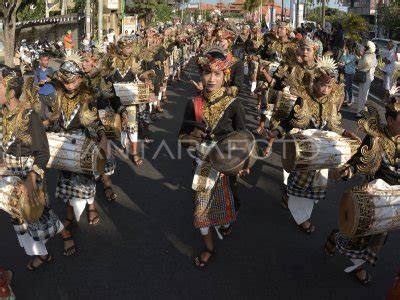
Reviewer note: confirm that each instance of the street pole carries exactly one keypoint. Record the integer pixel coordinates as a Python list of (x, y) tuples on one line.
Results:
[(282, 12), (47, 9), (63, 7), (87, 15), (323, 14), (297, 13), (100, 21)]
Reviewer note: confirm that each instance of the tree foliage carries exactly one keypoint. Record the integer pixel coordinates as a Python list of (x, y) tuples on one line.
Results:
[(163, 13), (390, 16), (32, 10), (354, 26), (251, 5)]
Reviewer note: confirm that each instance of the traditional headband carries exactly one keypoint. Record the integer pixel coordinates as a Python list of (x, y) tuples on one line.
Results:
[(214, 59), (326, 69), (125, 41), (307, 42), (71, 68)]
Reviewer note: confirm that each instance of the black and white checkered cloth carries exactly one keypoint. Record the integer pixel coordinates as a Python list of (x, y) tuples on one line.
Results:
[(18, 166), (75, 186), (355, 249), (300, 184), (144, 113), (41, 230)]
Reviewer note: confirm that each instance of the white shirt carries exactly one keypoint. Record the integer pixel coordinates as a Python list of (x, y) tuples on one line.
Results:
[(392, 57)]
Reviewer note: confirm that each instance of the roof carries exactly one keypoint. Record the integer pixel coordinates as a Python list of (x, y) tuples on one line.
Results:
[(65, 19)]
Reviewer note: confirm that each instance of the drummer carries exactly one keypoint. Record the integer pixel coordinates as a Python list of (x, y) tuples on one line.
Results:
[(25, 154), (315, 108), (105, 100), (216, 205), (377, 158), (74, 113)]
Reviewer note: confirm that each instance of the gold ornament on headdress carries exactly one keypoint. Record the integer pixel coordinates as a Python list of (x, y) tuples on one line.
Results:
[(394, 93), (75, 57)]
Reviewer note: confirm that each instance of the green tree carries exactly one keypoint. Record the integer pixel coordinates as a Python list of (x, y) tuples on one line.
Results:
[(32, 11), (353, 26), (144, 8), (163, 13), (389, 17), (8, 14), (251, 5)]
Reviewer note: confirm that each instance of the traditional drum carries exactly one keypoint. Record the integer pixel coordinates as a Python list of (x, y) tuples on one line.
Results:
[(132, 93), (314, 149), (236, 152), (279, 103), (75, 153), (370, 209), (15, 201), (111, 122)]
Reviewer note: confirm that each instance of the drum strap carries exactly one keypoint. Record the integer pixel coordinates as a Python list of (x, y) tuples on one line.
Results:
[(198, 108)]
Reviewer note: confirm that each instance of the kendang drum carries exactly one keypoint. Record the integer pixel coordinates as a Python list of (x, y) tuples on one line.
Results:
[(314, 149), (15, 201), (280, 103), (133, 92), (75, 153), (370, 209), (236, 152), (111, 122)]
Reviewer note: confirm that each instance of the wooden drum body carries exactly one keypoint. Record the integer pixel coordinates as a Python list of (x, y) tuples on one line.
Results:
[(111, 122), (15, 201), (370, 209), (313, 149), (75, 153), (133, 93)]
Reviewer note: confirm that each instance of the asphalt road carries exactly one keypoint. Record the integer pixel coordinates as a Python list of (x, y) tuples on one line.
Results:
[(144, 245)]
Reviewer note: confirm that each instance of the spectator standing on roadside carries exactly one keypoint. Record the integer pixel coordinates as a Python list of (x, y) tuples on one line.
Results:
[(68, 42), (389, 61), (111, 36), (348, 61), (43, 76), (366, 64)]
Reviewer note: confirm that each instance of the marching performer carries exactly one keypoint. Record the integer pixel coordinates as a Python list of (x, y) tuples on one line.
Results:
[(25, 156), (241, 44), (75, 113), (256, 42), (378, 159), (314, 108), (216, 204), (279, 49), (122, 66), (108, 105)]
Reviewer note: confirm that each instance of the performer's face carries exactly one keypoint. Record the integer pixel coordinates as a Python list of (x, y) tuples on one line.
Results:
[(282, 31), (212, 80), (127, 50), (73, 86), (322, 88), (306, 53), (88, 64)]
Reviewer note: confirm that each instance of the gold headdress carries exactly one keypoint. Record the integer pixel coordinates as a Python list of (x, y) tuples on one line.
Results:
[(394, 105), (307, 42), (214, 59), (327, 68), (71, 68), (125, 41)]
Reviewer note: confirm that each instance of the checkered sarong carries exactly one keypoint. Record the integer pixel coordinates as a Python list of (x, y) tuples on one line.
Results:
[(215, 207), (18, 166), (355, 248), (144, 113), (43, 229), (300, 184), (72, 186)]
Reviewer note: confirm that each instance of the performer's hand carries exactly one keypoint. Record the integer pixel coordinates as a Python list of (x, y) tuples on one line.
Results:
[(197, 85), (46, 123), (272, 134), (351, 135), (229, 91), (30, 189), (244, 172), (339, 173), (194, 138)]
